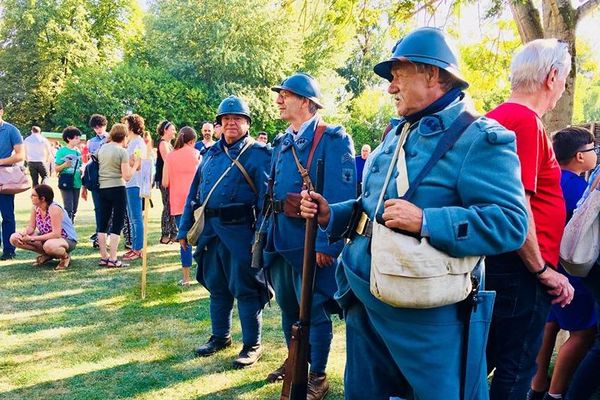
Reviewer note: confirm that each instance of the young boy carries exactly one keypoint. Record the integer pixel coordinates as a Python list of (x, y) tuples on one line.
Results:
[(576, 153)]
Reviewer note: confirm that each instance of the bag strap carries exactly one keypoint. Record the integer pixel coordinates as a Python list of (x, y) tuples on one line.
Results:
[(242, 169), (460, 124), (304, 172), (246, 147), (448, 139)]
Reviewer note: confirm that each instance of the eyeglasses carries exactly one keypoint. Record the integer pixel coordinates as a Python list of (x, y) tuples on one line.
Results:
[(595, 149)]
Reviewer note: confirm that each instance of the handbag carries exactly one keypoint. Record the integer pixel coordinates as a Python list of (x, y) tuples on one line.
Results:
[(198, 226), (407, 271), (13, 179), (67, 181), (580, 244)]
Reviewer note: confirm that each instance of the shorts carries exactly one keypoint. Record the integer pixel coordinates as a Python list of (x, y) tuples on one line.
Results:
[(580, 314)]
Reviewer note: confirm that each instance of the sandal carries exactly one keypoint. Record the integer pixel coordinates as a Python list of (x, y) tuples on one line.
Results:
[(63, 263), (132, 255), (41, 260), (182, 283), (165, 240), (115, 264), (103, 262)]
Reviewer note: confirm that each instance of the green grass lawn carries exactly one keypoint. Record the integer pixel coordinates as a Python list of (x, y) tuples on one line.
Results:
[(85, 334)]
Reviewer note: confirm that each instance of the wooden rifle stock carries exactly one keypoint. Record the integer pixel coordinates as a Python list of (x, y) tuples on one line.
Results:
[(295, 383)]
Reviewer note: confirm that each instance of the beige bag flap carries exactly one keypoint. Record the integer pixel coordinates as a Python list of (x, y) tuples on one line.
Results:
[(402, 255)]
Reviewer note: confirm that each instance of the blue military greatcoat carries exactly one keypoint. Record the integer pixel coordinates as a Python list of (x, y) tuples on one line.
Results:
[(233, 189), (473, 204), (285, 234)]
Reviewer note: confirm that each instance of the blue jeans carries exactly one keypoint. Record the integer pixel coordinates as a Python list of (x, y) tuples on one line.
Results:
[(520, 312), (186, 255), (134, 209), (7, 210), (585, 380), (96, 201)]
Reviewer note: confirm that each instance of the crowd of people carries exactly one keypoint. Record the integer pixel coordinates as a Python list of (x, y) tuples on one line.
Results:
[(439, 249)]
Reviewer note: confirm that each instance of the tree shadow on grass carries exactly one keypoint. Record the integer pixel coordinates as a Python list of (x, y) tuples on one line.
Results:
[(136, 378)]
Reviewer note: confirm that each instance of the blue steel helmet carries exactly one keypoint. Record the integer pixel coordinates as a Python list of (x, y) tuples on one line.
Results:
[(233, 105), (303, 85), (427, 46)]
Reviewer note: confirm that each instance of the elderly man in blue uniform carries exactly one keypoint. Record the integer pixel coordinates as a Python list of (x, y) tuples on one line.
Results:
[(305, 141), (233, 177), (471, 203)]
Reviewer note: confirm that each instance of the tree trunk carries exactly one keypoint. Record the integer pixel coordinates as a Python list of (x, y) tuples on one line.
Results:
[(560, 23)]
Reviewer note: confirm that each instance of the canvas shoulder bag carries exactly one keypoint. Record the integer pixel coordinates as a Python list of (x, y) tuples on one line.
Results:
[(580, 244), (196, 230), (406, 271)]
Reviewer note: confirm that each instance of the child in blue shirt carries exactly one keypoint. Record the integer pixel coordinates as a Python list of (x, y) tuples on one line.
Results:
[(576, 153)]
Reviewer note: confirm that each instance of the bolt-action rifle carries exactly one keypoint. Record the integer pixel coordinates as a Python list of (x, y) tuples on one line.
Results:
[(295, 383)]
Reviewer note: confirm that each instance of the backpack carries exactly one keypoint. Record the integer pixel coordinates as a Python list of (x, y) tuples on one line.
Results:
[(91, 174)]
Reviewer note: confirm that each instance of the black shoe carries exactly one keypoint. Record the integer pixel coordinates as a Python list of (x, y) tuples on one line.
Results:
[(7, 256), (213, 345), (533, 395), (248, 356)]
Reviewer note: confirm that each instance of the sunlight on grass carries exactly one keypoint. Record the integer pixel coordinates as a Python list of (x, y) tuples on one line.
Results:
[(51, 295)]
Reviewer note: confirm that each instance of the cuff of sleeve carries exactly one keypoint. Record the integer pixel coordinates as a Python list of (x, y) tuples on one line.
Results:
[(424, 228)]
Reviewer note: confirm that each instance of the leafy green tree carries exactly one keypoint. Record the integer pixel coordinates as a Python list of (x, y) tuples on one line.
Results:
[(242, 53), (42, 42), (153, 93)]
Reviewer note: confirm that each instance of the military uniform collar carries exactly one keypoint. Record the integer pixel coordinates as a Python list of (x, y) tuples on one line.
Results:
[(304, 137), (437, 123), (233, 149)]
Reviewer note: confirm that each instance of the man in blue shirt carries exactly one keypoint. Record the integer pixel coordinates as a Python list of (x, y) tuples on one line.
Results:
[(207, 138), (365, 150), (98, 123), (11, 152)]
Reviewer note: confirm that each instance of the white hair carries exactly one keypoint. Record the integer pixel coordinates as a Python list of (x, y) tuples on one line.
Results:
[(534, 61)]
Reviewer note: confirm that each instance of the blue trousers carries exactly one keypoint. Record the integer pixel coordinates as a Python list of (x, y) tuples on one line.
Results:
[(520, 313), (7, 210), (134, 210), (585, 380), (96, 201), (287, 284), (185, 255), (226, 279)]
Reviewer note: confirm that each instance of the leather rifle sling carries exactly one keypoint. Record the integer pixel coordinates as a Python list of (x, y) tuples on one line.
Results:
[(304, 172)]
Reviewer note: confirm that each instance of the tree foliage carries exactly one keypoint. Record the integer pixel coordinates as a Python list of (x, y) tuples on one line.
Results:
[(42, 42), (151, 92)]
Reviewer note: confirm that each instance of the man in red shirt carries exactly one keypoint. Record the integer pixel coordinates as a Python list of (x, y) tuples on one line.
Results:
[(526, 281)]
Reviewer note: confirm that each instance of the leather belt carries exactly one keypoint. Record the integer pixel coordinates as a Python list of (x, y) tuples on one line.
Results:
[(364, 227), (277, 206), (211, 212), (223, 211)]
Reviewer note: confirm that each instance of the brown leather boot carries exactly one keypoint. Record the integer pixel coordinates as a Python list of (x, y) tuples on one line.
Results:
[(318, 387), (278, 374)]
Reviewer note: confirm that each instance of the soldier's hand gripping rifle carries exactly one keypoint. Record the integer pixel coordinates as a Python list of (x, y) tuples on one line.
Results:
[(295, 383)]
